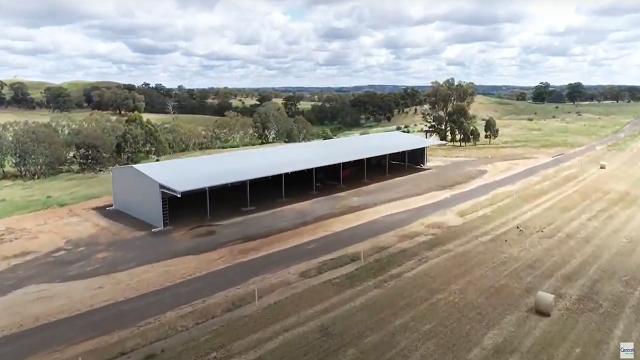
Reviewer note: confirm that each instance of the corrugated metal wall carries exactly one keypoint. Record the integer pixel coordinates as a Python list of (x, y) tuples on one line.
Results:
[(136, 194)]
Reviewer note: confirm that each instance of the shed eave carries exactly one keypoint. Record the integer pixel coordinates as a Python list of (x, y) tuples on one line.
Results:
[(170, 190)]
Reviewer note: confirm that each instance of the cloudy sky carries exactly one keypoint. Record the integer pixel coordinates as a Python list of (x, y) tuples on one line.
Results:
[(232, 43)]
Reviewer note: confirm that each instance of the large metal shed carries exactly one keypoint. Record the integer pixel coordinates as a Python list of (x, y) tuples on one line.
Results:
[(142, 190)]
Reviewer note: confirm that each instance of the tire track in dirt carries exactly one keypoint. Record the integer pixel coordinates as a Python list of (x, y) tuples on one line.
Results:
[(498, 333), (393, 354), (591, 220), (580, 312), (512, 319), (487, 283), (596, 253), (624, 322), (558, 222), (401, 305), (416, 297), (549, 333), (303, 327), (625, 265), (505, 291)]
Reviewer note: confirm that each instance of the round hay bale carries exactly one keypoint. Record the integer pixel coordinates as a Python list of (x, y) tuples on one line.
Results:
[(544, 303), (603, 165)]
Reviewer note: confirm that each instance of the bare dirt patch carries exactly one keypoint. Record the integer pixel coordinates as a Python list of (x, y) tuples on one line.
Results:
[(27, 236)]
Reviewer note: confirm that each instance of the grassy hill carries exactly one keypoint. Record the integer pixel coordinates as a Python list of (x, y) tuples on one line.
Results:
[(77, 86), (35, 87), (522, 110)]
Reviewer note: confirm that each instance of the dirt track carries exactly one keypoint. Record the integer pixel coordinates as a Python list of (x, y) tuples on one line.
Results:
[(468, 292)]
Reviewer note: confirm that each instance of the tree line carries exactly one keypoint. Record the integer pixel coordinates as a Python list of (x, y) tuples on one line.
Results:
[(575, 92), (99, 141), (122, 136), (328, 109), (117, 134)]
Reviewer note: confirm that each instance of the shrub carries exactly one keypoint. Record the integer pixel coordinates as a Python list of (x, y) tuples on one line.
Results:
[(326, 134)]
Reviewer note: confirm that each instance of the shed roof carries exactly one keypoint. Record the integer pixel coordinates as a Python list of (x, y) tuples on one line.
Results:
[(200, 172)]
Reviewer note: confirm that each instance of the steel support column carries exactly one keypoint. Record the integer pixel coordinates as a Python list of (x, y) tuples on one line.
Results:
[(425, 157), (283, 197), (208, 208), (314, 181), (249, 207), (365, 169), (406, 160), (387, 164)]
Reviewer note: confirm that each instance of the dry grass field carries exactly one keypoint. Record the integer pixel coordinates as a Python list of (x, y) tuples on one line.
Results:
[(535, 128), (465, 289)]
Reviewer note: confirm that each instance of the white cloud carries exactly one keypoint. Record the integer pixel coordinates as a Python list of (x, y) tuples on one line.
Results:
[(321, 42)]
